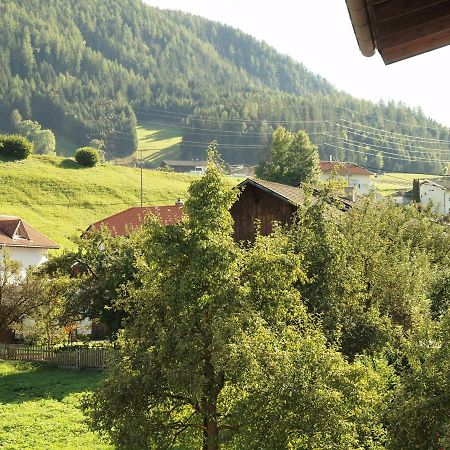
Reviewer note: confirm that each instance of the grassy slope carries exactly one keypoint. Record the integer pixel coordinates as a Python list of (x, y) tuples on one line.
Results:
[(61, 199), (156, 141), (391, 182), (39, 408)]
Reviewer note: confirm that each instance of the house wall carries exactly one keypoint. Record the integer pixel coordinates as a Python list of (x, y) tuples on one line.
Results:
[(256, 204), (362, 183), (26, 256), (438, 196)]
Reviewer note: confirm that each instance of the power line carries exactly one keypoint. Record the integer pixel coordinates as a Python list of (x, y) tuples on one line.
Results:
[(182, 116), (387, 155), (372, 136), (391, 132), (389, 120), (303, 107), (383, 152), (377, 146)]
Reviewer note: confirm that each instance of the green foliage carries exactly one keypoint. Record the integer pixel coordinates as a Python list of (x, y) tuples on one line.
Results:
[(371, 271), (218, 349), (29, 129), (50, 321), (45, 143), (39, 407), (15, 147), (85, 77), (440, 294), (293, 159), (21, 296), (87, 156), (15, 120), (418, 415), (103, 265), (98, 144)]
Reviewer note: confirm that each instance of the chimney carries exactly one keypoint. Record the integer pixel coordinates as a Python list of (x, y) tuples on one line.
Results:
[(179, 202)]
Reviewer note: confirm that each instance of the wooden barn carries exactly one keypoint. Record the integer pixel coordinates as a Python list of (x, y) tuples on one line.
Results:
[(269, 202), (400, 29), (264, 201)]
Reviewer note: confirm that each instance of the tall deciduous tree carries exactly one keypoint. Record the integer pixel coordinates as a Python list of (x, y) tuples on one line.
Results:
[(371, 270), (218, 350), (293, 159), (45, 143)]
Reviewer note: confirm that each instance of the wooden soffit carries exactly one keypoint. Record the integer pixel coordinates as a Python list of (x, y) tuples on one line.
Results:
[(400, 29)]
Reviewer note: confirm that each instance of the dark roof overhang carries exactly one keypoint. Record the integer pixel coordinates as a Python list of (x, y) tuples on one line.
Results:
[(400, 29)]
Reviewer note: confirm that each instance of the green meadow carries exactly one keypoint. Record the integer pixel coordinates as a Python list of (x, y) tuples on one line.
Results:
[(61, 199), (39, 408), (156, 141), (389, 183)]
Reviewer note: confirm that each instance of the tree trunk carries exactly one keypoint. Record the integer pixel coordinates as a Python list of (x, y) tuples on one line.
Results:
[(211, 433)]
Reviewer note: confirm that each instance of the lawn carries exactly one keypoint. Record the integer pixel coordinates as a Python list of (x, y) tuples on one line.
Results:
[(61, 199), (156, 142), (388, 183), (39, 408)]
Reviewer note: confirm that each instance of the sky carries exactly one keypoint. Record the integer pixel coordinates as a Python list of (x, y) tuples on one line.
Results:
[(319, 34)]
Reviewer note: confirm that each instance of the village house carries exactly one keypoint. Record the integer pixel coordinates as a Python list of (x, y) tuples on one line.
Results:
[(124, 222), (23, 243), (437, 193), (192, 167), (355, 176), (259, 200), (268, 202)]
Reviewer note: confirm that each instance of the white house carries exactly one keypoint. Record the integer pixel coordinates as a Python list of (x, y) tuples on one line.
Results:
[(23, 243), (356, 176), (437, 193)]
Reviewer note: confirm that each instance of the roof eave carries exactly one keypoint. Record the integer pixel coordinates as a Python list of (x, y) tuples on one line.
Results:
[(359, 17), (45, 247), (266, 189)]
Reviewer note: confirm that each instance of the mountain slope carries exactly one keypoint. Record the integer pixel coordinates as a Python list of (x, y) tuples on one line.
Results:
[(86, 69), (61, 199)]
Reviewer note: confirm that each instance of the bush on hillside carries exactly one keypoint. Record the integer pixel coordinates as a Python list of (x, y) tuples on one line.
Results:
[(15, 146), (87, 156)]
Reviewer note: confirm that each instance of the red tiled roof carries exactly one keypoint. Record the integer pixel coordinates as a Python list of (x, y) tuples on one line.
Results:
[(343, 168), (14, 232), (121, 223)]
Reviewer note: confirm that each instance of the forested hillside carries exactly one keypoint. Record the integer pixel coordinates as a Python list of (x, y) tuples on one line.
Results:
[(90, 68)]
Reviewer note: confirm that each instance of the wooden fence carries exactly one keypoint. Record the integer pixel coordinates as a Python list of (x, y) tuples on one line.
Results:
[(95, 358)]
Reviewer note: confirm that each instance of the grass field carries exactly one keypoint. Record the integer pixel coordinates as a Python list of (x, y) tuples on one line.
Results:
[(39, 408), (61, 199), (155, 143), (391, 182)]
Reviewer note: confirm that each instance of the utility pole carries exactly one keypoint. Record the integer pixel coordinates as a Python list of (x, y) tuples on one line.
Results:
[(142, 181)]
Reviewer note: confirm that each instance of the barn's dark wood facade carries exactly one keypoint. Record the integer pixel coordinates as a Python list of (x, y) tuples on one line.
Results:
[(400, 29), (264, 201)]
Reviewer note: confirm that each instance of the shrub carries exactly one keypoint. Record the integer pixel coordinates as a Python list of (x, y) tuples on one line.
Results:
[(87, 156), (15, 146)]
